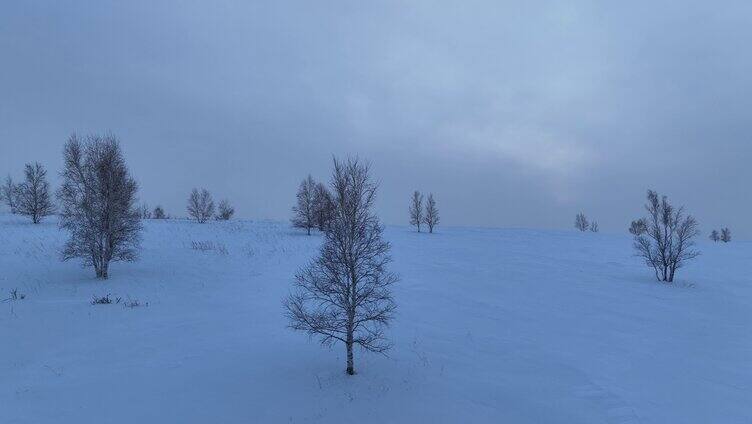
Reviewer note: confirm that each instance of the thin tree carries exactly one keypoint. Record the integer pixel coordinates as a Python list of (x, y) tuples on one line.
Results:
[(431, 216), (344, 294), (200, 205), (304, 211), (323, 206), (225, 211), (638, 227), (714, 236), (33, 195), (98, 199), (669, 240), (9, 193), (416, 209), (581, 222), (725, 235), (158, 213), (594, 227)]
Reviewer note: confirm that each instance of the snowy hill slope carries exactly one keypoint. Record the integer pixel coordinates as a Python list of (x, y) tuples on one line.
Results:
[(493, 326)]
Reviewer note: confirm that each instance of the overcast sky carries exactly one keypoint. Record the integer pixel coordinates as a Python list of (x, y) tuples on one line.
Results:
[(515, 114)]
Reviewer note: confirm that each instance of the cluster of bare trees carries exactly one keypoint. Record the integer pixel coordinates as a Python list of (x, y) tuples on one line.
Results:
[(420, 215), (665, 238), (98, 202), (314, 207), (201, 207), (344, 294), (724, 235), (581, 223), (32, 196)]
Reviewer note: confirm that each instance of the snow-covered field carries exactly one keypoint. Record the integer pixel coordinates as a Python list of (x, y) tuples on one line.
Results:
[(515, 326)]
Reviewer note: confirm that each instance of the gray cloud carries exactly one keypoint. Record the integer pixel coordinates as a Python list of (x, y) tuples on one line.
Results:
[(513, 114)]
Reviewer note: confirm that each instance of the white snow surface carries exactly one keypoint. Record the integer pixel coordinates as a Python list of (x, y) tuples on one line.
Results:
[(493, 326)]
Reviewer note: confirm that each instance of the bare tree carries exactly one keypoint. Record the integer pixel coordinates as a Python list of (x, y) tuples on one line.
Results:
[(200, 205), (714, 236), (225, 211), (323, 206), (431, 216), (638, 227), (344, 294), (725, 235), (416, 209), (668, 242), (33, 195), (144, 211), (581, 222), (9, 193), (158, 213), (594, 227), (304, 212), (98, 199)]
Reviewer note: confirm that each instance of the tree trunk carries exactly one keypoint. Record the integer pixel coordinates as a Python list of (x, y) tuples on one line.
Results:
[(101, 267), (350, 361)]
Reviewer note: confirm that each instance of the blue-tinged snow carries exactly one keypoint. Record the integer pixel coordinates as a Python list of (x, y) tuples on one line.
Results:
[(516, 326)]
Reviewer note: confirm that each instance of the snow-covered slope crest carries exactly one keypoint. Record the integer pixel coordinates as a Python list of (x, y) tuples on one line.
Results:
[(493, 326)]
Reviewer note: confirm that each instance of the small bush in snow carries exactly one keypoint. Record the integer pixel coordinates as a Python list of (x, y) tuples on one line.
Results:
[(202, 246), (206, 246), (134, 303), (103, 300), (714, 236)]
